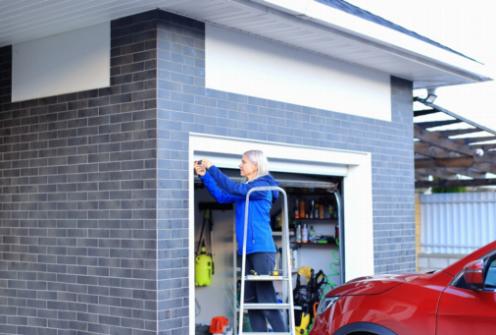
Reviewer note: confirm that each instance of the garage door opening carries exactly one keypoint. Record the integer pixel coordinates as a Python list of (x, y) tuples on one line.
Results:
[(350, 170), (316, 230)]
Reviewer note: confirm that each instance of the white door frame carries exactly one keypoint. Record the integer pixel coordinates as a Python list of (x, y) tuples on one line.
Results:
[(355, 168)]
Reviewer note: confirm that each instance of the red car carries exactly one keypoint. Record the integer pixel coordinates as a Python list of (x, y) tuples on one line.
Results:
[(458, 300)]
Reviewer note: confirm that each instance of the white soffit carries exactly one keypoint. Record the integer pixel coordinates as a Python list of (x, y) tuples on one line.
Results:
[(302, 23)]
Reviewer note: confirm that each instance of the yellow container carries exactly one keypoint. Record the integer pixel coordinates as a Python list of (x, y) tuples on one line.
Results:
[(203, 268)]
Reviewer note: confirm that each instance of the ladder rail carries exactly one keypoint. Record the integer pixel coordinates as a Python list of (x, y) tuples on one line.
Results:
[(286, 253)]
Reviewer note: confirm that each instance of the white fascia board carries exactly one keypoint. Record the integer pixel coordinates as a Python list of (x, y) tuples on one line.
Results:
[(391, 40)]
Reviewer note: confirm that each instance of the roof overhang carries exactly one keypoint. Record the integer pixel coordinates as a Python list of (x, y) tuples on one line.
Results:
[(305, 24)]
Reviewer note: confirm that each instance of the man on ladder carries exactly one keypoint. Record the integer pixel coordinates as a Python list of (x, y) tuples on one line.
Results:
[(253, 202)]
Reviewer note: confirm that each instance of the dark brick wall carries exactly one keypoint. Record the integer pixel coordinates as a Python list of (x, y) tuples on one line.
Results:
[(184, 106), (95, 184), (78, 199), (180, 44)]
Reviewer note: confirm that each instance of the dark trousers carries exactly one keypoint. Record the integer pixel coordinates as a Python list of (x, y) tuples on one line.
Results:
[(262, 291)]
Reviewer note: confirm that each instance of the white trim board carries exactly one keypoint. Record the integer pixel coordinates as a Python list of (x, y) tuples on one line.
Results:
[(356, 168)]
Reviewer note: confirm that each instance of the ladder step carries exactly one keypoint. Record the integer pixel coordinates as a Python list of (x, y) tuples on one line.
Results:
[(265, 278), (296, 308), (266, 306), (238, 269)]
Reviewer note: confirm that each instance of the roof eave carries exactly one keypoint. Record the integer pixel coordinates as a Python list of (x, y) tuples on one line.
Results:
[(305, 24), (456, 68)]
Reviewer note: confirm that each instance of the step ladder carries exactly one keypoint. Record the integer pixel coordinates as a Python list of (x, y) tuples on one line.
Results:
[(285, 277)]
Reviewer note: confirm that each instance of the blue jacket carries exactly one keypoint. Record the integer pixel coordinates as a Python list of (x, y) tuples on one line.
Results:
[(225, 191)]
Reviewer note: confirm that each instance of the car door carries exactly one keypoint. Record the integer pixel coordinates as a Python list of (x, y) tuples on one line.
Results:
[(464, 310)]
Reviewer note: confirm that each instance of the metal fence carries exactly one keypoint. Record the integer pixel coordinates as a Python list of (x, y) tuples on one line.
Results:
[(456, 223)]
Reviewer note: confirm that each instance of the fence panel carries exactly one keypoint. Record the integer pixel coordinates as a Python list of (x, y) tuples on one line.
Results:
[(457, 223)]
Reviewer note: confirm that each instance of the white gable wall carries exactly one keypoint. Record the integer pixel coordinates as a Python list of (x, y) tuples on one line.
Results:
[(245, 64)]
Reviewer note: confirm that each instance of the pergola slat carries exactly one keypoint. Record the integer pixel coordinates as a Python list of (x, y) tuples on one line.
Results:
[(455, 132), (432, 124), (455, 183), (425, 112)]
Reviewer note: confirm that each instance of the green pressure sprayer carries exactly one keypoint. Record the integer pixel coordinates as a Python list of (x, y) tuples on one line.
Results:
[(204, 262)]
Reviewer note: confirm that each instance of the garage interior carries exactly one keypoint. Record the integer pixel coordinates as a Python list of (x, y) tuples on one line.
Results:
[(312, 207)]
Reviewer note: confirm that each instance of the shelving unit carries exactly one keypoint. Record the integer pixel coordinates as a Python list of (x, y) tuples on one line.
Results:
[(316, 244), (321, 251)]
